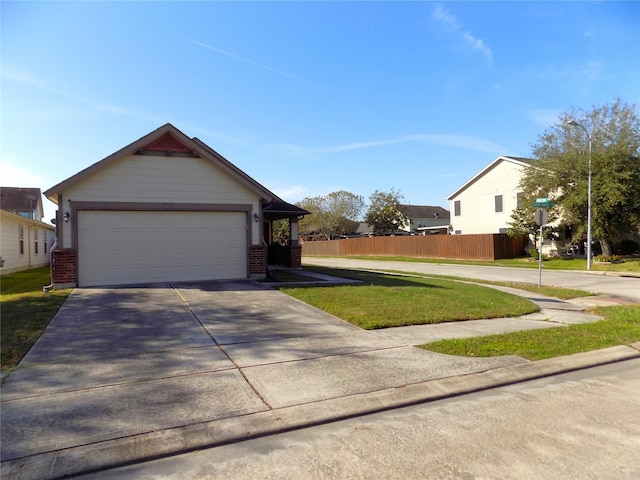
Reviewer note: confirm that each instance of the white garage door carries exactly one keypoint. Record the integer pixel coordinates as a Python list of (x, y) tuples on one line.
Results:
[(118, 248)]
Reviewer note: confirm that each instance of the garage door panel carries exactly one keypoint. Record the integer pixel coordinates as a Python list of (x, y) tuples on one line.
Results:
[(145, 247)]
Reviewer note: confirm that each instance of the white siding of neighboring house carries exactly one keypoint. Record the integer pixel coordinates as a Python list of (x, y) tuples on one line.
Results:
[(13, 260), (477, 200), (161, 179)]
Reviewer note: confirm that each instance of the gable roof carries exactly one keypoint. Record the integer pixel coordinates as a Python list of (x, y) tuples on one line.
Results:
[(19, 199), (525, 162), (424, 211), (167, 140)]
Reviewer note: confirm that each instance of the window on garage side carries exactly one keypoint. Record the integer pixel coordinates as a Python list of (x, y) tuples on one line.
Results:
[(498, 203), (456, 208), (21, 239), (35, 241)]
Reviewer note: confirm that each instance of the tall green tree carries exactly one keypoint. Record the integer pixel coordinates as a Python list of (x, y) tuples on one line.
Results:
[(333, 214), (384, 212), (523, 223), (562, 169)]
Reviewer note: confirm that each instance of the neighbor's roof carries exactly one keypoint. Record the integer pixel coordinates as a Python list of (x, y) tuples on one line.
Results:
[(363, 228), (424, 211), (166, 140), (525, 162), (18, 199)]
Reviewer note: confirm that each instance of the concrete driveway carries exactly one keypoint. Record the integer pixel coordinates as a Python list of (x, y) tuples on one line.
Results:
[(119, 363), (130, 373)]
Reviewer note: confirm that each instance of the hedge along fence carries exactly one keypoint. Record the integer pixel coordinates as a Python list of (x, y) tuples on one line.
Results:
[(473, 247)]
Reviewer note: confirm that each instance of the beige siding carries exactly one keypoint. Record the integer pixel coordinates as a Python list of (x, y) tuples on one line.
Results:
[(10, 243), (161, 179), (118, 248), (477, 201)]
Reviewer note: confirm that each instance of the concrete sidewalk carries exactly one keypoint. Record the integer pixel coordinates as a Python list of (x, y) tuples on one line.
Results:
[(125, 375)]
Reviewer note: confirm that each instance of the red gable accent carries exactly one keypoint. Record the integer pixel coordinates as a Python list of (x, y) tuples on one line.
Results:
[(167, 143)]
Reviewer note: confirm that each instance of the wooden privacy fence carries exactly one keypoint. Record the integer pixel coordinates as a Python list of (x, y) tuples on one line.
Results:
[(475, 247)]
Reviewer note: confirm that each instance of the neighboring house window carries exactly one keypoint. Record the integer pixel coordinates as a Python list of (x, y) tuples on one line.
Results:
[(520, 199), (45, 245), (35, 241), (21, 239), (498, 203), (456, 208), (502, 230), (458, 232)]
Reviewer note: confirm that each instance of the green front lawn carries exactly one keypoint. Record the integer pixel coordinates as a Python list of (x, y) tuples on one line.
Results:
[(25, 312), (383, 300), (621, 326)]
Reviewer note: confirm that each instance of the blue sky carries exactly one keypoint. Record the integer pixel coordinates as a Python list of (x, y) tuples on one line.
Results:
[(307, 97)]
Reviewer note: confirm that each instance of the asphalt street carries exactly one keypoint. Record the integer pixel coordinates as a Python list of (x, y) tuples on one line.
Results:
[(583, 424)]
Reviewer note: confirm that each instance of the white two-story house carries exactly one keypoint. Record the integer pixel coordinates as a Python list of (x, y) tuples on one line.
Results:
[(484, 204)]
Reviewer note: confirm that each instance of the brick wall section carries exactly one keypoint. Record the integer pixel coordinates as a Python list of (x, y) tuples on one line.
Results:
[(63, 266), (296, 256), (257, 260)]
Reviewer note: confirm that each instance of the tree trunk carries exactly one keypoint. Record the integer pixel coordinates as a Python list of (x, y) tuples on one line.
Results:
[(606, 247)]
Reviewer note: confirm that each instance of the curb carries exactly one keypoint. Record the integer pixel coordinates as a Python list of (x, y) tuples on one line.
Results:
[(163, 443)]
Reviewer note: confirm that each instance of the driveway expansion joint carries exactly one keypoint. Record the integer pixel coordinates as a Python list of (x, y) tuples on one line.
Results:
[(237, 367)]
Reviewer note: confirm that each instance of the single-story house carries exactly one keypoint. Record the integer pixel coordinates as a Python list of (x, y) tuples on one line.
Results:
[(165, 208), (25, 240)]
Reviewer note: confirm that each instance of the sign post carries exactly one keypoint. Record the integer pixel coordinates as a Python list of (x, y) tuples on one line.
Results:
[(540, 217)]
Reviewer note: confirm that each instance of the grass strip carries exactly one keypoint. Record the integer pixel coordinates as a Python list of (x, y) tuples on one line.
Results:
[(630, 264), (548, 291), (383, 300), (621, 326), (25, 312)]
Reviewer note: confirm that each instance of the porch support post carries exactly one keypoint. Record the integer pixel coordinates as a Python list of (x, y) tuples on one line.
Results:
[(293, 231), (295, 249)]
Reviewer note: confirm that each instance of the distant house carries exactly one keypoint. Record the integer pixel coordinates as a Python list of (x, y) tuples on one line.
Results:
[(360, 229), (25, 241), (424, 219), (485, 203)]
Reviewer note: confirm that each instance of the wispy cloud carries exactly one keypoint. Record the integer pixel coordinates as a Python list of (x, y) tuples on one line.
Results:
[(246, 60), (296, 192), (451, 24), (440, 139), (90, 106), (11, 73), (17, 176), (544, 117)]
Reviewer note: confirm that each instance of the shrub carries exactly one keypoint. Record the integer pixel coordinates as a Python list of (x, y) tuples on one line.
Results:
[(608, 258), (627, 247)]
